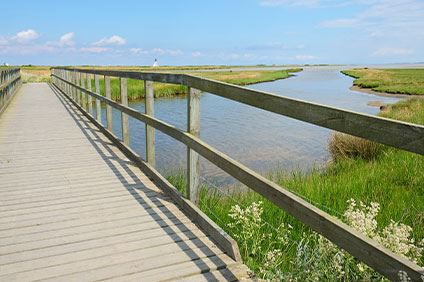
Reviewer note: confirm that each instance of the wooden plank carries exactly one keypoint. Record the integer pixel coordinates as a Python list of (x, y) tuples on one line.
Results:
[(178, 269), (148, 266), (125, 242), (360, 246), (236, 272), (124, 117), (108, 107), (193, 128), (150, 131), (223, 239), (98, 103)]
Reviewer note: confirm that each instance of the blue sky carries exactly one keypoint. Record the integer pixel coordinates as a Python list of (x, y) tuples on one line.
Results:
[(189, 32)]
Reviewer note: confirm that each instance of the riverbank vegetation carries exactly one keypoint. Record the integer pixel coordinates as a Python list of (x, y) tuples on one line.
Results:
[(136, 87), (35, 74), (395, 81), (379, 191)]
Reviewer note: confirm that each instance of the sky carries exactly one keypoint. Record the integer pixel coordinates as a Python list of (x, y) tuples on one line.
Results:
[(230, 32)]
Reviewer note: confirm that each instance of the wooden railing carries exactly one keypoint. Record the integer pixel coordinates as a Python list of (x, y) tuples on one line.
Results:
[(10, 80), (406, 136)]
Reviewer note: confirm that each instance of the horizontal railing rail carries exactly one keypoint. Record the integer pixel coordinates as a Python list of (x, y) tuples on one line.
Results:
[(10, 80), (398, 134), (365, 249)]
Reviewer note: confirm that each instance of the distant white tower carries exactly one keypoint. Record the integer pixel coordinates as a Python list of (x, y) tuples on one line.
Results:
[(156, 64)]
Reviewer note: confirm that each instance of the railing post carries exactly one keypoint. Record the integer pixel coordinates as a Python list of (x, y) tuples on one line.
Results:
[(124, 117), (98, 106), (65, 74), (150, 131), (90, 99), (77, 82), (83, 95), (108, 107), (193, 127)]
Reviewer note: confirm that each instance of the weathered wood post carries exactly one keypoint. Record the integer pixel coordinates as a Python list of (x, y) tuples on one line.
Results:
[(83, 95), (150, 131), (98, 105), (193, 127), (71, 88), (108, 107), (74, 81), (124, 116), (68, 86), (77, 82), (90, 99), (65, 76)]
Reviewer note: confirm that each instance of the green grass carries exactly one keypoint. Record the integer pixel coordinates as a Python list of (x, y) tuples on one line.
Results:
[(136, 87), (394, 179), (249, 77), (395, 81)]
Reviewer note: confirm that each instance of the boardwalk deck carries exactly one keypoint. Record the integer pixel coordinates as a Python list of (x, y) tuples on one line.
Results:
[(74, 208)]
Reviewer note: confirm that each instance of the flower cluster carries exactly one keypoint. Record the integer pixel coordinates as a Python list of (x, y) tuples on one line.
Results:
[(396, 236), (316, 258), (362, 217)]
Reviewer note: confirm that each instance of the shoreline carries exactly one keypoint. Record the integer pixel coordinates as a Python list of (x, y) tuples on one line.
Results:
[(383, 94)]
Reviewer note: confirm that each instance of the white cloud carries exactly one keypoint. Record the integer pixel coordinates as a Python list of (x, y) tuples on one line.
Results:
[(20, 49), (386, 18), (138, 51), (113, 40), (339, 23), (25, 36), (307, 3), (67, 39), (93, 49), (391, 51), (156, 51), (274, 46), (305, 57), (197, 54)]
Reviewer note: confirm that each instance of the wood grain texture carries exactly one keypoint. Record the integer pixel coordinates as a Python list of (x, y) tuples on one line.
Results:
[(124, 117), (150, 131), (193, 162), (73, 206), (108, 94), (98, 103)]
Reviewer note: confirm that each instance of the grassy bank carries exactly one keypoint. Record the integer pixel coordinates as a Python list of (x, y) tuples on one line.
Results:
[(136, 87), (283, 248), (395, 81), (35, 74)]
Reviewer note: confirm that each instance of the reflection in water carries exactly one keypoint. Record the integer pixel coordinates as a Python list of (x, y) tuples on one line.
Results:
[(261, 140)]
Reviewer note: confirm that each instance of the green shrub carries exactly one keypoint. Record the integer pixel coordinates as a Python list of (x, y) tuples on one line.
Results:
[(343, 146)]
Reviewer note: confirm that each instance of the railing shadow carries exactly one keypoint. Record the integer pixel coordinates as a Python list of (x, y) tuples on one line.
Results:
[(119, 164)]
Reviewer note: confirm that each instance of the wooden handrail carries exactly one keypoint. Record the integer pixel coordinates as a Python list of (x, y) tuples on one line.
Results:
[(398, 134), (10, 80), (360, 246)]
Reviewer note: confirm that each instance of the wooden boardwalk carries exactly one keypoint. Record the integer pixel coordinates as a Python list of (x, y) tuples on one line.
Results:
[(74, 208)]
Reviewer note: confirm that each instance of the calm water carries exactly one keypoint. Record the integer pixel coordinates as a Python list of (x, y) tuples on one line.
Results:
[(262, 141)]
